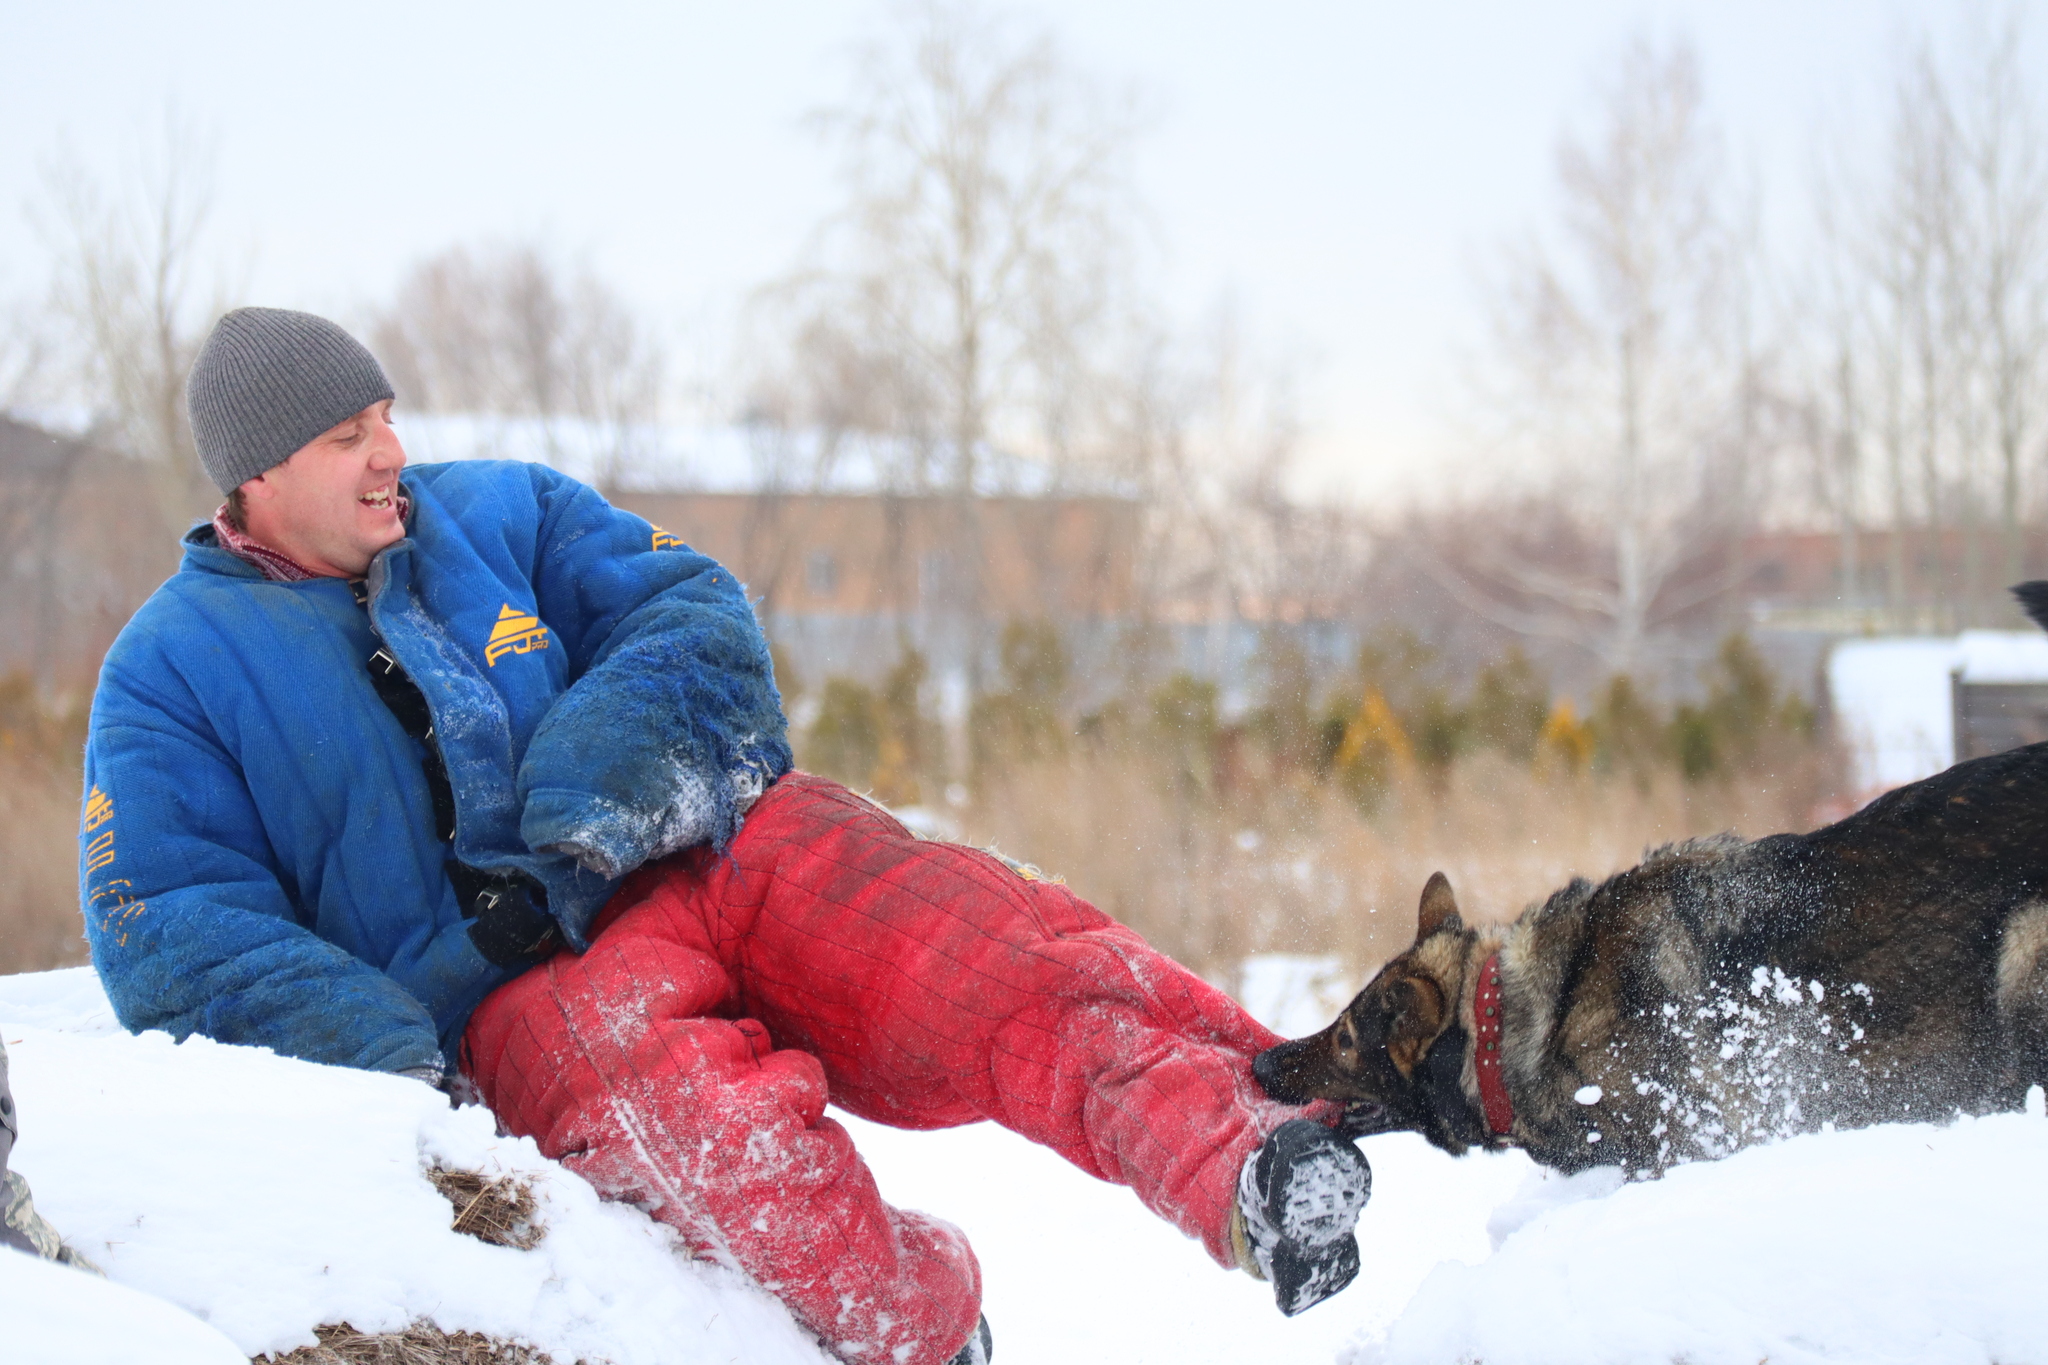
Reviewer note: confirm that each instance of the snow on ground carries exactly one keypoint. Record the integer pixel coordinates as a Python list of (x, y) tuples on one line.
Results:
[(1074, 1270), (1903, 1243), (266, 1195), (49, 1312)]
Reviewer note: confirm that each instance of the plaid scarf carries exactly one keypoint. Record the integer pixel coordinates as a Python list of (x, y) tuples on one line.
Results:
[(278, 568)]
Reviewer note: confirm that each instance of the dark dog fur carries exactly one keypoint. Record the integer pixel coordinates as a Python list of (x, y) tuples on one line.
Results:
[(1891, 966)]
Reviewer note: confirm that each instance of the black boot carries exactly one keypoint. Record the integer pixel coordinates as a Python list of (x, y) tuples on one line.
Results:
[(979, 1349), (1299, 1197)]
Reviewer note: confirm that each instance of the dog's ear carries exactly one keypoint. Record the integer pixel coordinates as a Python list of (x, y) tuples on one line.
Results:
[(1420, 1013), (1439, 907)]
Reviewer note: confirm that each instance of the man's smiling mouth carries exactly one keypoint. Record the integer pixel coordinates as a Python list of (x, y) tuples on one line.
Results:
[(378, 498)]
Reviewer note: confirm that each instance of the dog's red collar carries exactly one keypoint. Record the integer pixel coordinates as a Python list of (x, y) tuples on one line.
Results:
[(1486, 1007)]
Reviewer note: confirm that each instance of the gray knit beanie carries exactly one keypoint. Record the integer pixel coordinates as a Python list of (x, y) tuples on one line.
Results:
[(269, 380)]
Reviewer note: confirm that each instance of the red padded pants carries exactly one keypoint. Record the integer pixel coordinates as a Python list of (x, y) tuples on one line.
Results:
[(914, 983)]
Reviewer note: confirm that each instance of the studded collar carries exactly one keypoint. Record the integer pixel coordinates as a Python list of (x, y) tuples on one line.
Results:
[(1486, 1017)]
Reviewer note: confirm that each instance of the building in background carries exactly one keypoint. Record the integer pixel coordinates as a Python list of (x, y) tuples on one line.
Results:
[(1906, 707), (848, 556)]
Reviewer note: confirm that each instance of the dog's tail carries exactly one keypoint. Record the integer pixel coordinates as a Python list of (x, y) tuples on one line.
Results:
[(2034, 601)]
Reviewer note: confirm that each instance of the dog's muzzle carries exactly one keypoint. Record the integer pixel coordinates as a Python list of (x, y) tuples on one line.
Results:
[(1266, 1070)]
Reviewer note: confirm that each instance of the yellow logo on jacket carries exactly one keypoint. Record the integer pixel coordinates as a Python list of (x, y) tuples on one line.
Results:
[(517, 632), (668, 540), (98, 809)]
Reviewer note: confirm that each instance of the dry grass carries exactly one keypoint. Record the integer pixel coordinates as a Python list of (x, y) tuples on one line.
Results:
[(1287, 864), (499, 1211), (40, 926), (420, 1344)]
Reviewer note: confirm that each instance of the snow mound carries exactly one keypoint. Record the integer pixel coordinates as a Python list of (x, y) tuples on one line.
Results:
[(51, 1313), (267, 1196), (1906, 1242), (69, 1001)]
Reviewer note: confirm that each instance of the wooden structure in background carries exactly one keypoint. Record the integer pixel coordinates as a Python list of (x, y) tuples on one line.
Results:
[(1994, 717)]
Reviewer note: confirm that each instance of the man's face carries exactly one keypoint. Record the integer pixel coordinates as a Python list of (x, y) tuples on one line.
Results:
[(333, 504)]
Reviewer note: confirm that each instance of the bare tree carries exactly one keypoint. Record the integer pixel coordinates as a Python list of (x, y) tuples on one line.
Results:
[(29, 353), (964, 300), (505, 331), (1939, 255), (129, 281), (1210, 427), (1836, 402), (1911, 231), (981, 248), (1622, 355), (2005, 287)]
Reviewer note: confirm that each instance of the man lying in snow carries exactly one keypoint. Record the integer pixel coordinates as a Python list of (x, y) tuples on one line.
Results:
[(474, 766)]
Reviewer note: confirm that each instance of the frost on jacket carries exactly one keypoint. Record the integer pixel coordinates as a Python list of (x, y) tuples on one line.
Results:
[(258, 857)]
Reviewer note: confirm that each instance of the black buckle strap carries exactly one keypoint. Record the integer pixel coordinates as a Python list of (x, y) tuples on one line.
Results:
[(507, 911), (409, 705)]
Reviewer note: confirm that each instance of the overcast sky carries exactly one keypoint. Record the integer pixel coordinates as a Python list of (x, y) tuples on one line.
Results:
[(1336, 169)]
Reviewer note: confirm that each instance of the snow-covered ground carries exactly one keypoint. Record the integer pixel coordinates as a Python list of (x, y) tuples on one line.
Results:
[(265, 1195)]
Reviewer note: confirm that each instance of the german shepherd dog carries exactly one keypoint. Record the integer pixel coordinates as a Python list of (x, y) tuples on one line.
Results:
[(1892, 966)]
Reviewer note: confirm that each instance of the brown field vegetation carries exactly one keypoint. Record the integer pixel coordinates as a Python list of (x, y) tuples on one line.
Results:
[(1294, 867), (39, 922), (1310, 823), (39, 800), (1304, 827)]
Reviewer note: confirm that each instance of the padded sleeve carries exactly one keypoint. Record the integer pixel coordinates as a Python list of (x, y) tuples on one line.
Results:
[(672, 723), (191, 929)]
